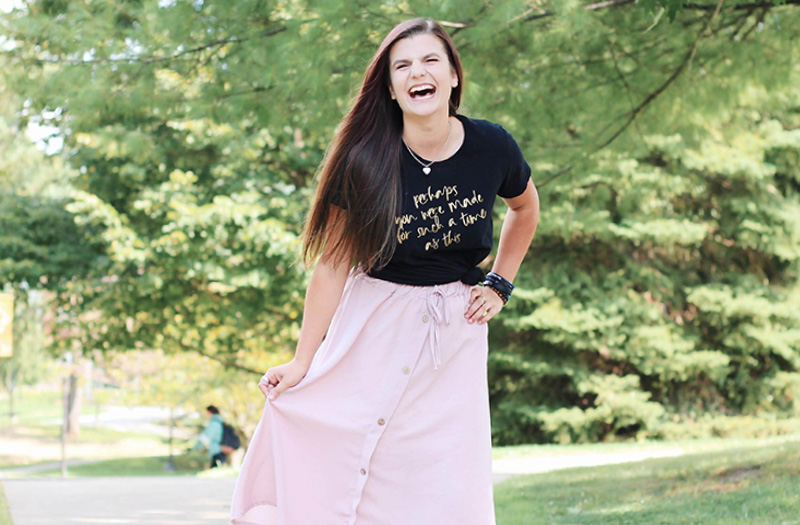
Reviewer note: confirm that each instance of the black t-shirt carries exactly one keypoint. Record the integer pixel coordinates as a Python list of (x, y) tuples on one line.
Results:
[(445, 228)]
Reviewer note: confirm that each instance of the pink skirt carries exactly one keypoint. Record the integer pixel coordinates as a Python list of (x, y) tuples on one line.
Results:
[(389, 427)]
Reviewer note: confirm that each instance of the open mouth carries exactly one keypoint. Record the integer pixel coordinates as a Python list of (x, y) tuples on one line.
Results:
[(422, 91)]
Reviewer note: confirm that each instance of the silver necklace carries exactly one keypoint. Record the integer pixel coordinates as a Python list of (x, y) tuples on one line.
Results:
[(426, 168)]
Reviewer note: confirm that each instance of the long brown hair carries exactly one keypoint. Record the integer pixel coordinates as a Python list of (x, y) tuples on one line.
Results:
[(361, 169)]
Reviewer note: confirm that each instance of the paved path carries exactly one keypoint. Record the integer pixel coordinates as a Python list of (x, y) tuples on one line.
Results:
[(25, 470), (200, 501), (536, 465), (89, 501)]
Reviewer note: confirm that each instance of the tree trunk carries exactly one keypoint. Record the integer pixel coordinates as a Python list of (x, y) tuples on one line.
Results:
[(74, 404), (64, 420), (11, 388)]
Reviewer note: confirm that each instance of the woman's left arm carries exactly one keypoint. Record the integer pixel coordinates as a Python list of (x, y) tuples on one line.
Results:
[(516, 235), (517, 232)]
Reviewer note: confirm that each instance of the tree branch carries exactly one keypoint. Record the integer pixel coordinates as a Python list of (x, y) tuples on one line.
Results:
[(624, 80), (554, 176), (590, 7), (148, 60), (739, 7), (675, 74), (652, 96), (761, 16), (609, 3), (225, 362), (258, 89), (738, 24), (689, 5)]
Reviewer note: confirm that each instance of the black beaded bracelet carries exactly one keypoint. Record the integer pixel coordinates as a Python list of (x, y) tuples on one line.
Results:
[(499, 282), (503, 297), (499, 285)]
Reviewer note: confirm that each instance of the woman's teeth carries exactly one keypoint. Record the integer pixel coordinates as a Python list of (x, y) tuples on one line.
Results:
[(423, 91)]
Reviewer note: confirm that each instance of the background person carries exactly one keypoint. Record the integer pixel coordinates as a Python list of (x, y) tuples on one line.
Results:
[(211, 437)]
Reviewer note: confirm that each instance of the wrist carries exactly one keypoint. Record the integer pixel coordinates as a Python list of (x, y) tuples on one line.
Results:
[(304, 362), (499, 285), (503, 297)]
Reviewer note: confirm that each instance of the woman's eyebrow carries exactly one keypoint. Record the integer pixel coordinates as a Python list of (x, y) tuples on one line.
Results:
[(431, 54)]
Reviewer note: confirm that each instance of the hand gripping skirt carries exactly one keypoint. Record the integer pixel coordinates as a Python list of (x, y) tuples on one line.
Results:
[(389, 427)]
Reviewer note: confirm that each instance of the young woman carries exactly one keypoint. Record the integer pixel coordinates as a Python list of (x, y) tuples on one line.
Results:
[(386, 420)]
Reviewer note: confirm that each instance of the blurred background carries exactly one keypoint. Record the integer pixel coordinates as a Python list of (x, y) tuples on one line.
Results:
[(157, 159)]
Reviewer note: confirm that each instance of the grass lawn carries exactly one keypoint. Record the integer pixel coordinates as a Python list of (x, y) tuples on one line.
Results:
[(5, 516), (185, 465), (36, 406), (736, 484), (88, 434), (686, 446), (34, 443), (34, 437)]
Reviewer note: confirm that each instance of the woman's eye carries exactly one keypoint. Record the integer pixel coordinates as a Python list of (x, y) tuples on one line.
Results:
[(433, 60), (401, 66)]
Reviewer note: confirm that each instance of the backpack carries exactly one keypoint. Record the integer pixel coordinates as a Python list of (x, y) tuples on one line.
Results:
[(230, 439)]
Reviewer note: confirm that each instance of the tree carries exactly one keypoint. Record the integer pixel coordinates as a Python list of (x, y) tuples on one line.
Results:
[(671, 282), (42, 251), (196, 129), (30, 362)]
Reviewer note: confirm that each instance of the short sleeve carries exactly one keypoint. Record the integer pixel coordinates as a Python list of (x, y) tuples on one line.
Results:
[(517, 171)]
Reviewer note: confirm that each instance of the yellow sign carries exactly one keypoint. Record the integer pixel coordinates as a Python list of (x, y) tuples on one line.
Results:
[(6, 323)]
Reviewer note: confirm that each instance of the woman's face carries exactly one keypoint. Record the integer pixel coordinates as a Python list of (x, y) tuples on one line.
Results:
[(421, 75)]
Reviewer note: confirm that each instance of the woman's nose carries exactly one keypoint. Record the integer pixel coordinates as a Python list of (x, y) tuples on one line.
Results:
[(416, 69)]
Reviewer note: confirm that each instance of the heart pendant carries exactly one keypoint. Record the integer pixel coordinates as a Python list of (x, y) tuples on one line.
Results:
[(426, 170)]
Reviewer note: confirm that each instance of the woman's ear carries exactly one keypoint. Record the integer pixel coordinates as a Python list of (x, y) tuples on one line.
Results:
[(391, 93)]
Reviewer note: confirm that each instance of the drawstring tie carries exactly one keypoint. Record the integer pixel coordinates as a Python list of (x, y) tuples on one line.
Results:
[(437, 308)]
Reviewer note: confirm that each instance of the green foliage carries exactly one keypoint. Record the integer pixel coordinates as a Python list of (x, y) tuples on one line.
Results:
[(619, 408), (30, 362), (187, 383), (727, 427), (40, 241), (697, 299), (663, 279)]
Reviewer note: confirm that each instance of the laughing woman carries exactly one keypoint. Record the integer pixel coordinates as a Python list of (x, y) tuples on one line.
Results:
[(386, 420)]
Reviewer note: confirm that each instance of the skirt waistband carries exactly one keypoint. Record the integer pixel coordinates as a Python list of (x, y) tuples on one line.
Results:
[(435, 297), (448, 289)]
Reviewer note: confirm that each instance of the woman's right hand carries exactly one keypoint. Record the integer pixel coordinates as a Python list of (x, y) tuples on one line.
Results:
[(279, 378)]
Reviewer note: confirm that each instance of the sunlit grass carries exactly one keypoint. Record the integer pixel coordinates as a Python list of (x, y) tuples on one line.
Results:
[(688, 446), (185, 465), (32, 406), (5, 515), (33, 437), (737, 484), (35, 443)]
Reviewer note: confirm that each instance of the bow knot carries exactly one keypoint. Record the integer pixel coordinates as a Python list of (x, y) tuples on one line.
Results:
[(436, 303)]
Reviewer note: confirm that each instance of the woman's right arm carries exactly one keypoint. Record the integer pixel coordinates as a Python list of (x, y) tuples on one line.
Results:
[(322, 298)]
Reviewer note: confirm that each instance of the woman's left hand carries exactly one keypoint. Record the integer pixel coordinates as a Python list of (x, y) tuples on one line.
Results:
[(483, 305)]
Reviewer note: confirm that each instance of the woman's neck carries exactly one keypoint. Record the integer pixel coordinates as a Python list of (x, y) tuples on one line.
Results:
[(427, 135)]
